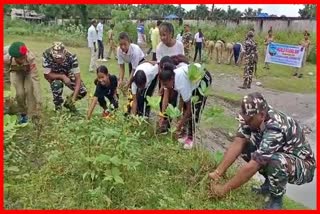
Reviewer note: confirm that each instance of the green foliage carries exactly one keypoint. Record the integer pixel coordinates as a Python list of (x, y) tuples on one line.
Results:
[(154, 102), (195, 74), (309, 11), (218, 156), (312, 58), (65, 33), (115, 163), (173, 112)]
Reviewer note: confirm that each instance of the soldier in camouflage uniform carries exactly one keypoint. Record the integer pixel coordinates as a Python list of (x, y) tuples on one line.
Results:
[(250, 55), (61, 67), (187, 40), (273, 144)]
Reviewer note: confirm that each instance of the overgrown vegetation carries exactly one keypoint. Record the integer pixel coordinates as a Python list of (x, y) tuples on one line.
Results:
[(118, 166), (66, 162)]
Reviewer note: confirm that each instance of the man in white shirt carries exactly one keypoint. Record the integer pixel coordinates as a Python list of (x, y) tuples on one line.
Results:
[(92, 44), (100, 41)]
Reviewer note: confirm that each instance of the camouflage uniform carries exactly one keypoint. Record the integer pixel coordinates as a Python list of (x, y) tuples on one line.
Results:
[(187, 41), (250, 49), (279, 146), (69, 67)]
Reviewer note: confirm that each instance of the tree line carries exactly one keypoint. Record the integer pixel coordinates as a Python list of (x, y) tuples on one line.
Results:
[(147, 11)]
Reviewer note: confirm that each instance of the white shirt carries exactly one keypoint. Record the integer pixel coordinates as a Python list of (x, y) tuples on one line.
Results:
[(241, 49), (163, 50), (133, 56), (182, 84), (100, 31), (150, 71), (141, 35), (197, 38), (92, 36), (179, 37)]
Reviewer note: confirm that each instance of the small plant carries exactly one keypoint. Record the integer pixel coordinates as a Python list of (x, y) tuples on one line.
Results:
[(173, 113), (154, 103), (195, 73)]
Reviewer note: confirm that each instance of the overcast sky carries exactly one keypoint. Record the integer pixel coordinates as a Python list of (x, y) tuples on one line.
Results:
[(277, 9)]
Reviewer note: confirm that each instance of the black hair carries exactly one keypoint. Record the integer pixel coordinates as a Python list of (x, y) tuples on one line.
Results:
[(140, 78), (177, 59), (125, 36), (101, 69), (159, 23), (169, 27), (167, 73), (200, 33), (165, 59)]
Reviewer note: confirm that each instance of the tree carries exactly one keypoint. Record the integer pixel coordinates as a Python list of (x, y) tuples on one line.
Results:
[(202, 11), (83, 14), (309, 11), (257, 12), (233, 13), (248, 12)]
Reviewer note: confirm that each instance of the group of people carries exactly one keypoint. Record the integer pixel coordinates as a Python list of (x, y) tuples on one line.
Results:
[(270, 141), (96, 43)]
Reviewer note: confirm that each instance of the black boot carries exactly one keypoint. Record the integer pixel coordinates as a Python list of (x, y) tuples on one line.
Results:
[(57, 108), (70, 105), (275, 203), (263, 189)]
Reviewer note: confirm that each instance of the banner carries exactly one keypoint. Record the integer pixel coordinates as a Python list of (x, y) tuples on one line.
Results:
[(289, 55)]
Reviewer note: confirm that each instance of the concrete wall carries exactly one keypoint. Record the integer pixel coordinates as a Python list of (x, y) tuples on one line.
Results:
[(260, 25), (263, 25)]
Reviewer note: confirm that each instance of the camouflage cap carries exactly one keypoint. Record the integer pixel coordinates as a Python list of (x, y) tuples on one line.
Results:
[(252, 104), (186, 25), (250, 34), (58, 50)]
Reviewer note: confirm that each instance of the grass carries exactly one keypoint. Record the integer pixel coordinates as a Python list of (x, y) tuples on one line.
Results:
[(215, 117), (58, 152), (278, 77), (232, 98)]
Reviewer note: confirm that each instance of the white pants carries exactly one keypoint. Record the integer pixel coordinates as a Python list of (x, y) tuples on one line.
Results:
[(93, 61)]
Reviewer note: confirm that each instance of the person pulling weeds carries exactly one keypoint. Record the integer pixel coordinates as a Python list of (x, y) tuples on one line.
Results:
[(272, 144), (62, 68)]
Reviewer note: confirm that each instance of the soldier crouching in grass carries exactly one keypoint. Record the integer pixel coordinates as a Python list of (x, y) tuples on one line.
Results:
[(273, 144), (62, 67)]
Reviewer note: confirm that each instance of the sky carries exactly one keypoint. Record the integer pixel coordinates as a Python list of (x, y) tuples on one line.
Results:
[(276, 9)]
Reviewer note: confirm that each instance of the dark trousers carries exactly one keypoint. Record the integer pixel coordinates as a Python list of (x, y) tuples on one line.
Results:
[(198, 49), (102, 102), (142, 103), (154, 57), (197, 107), (101, 49), (236, 52), (130, 65)]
